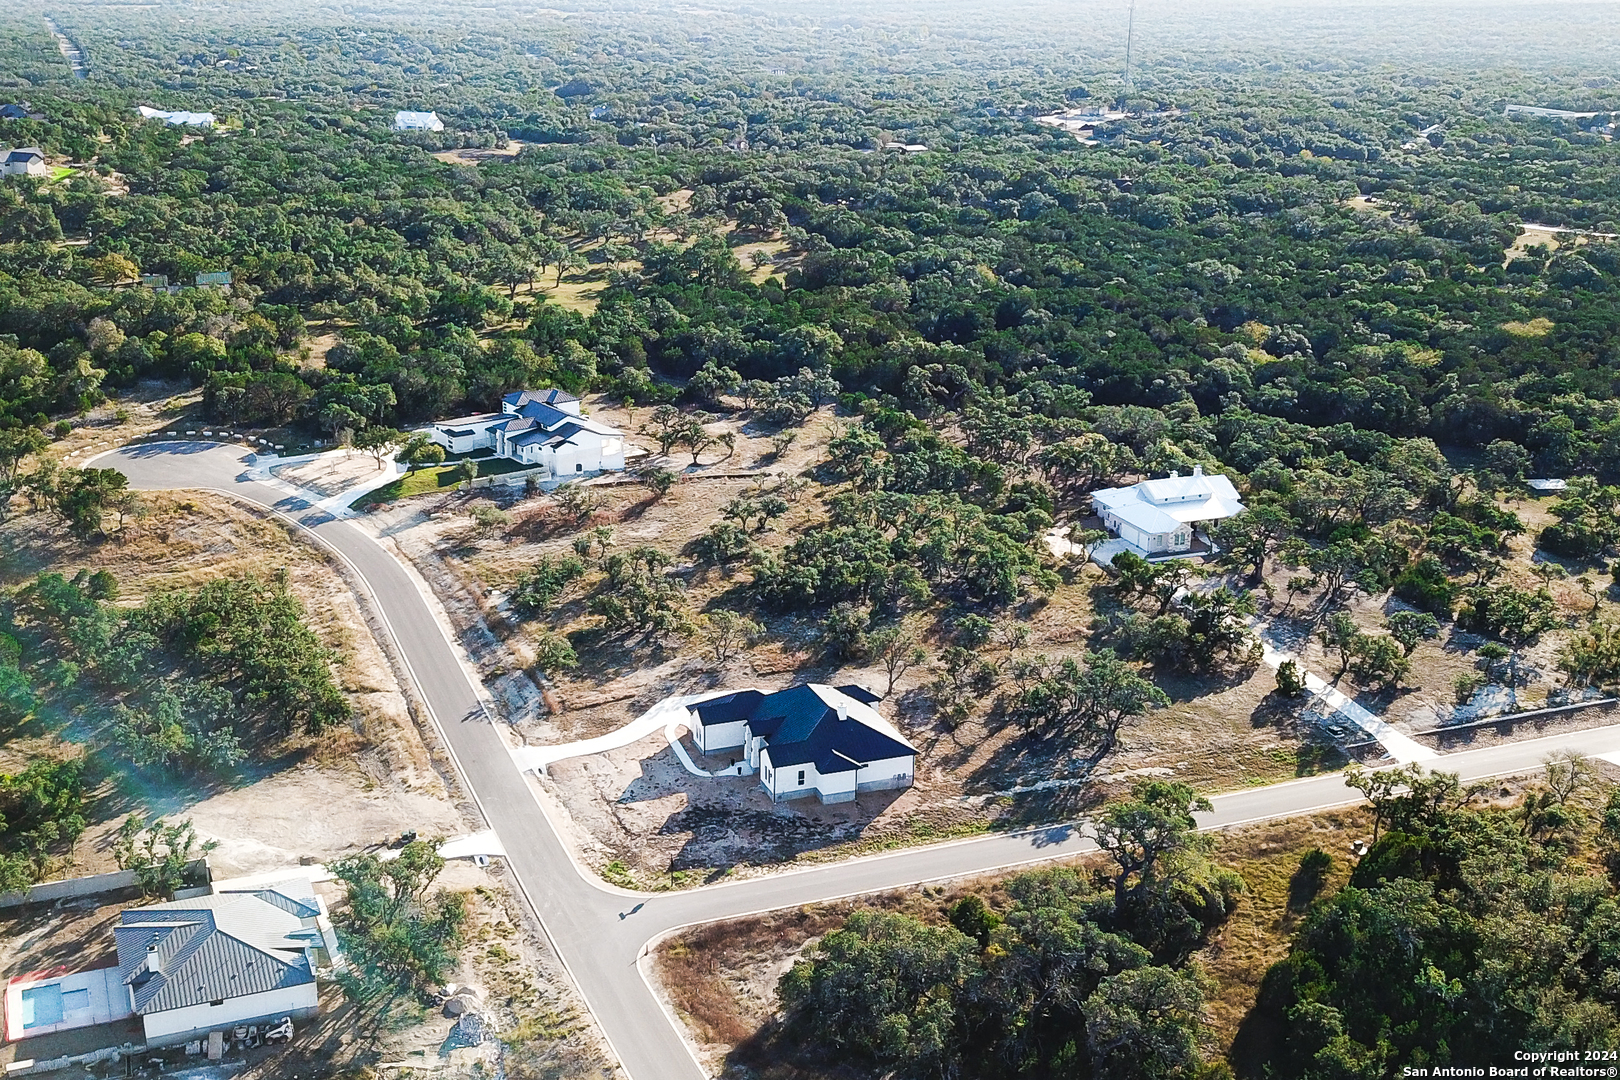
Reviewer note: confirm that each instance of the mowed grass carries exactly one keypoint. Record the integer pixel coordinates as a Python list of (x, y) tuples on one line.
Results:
[(435, 478), (420, 482)]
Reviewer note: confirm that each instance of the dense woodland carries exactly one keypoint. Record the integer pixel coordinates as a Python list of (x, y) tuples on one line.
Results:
[(1468, 932), (1297, 262)]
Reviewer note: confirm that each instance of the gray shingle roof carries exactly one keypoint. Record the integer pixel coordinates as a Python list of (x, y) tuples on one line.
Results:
[(210, 948)]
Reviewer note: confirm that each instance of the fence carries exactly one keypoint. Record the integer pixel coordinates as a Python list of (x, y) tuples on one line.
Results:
[(50, 892)]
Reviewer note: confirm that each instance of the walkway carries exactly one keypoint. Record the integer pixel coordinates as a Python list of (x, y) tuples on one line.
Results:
[(1402, 748), (669, 715)]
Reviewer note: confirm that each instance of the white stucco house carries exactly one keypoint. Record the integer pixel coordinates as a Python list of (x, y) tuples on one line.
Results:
[(807, 740), (179, 117), (405, 120), (544, 428), (217, 961), (1161, 517), (24, 161)]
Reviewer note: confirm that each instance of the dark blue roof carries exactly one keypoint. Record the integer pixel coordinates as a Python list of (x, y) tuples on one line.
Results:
[(800, 726), (728, 709), (860, 693)]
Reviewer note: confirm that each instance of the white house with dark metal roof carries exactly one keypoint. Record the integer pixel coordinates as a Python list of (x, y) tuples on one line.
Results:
[(222, 960), (544, 428), (24, 161), (808, 740), (1160, 517)]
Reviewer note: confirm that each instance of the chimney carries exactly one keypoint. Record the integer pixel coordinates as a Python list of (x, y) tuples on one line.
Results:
[(843, 711), (1198, 470), (1174, 474), (154, 962)]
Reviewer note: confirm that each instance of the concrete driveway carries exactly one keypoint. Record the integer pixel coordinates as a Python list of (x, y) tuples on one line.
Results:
[(600, 932)]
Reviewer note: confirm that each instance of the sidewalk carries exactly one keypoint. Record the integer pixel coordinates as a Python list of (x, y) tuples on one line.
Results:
[(1402, 748), (669, 715)]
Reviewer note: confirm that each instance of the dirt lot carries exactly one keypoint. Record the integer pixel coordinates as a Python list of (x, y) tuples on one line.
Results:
[(319, 799), (329, 474), (474, 156)]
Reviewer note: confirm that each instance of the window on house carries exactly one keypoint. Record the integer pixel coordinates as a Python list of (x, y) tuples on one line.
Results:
[(221, 1001), (801, 777), (579, 466)]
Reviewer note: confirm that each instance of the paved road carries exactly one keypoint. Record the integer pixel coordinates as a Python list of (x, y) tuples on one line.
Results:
[(599, 932)]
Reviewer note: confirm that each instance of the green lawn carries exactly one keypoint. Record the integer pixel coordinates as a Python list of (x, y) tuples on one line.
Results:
[(420, 482), (436, 478)]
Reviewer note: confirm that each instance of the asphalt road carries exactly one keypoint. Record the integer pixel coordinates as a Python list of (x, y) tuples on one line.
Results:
[(600, 932)]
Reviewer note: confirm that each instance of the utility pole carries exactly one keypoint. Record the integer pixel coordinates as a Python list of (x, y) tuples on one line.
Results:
[(1130, 30)]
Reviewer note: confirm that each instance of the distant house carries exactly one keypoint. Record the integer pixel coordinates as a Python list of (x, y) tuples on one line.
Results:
[(179, 118), (24, 161), (1161, 517), (225, 959), (17, 110), (538, 427), (405, 120), (807, 740)]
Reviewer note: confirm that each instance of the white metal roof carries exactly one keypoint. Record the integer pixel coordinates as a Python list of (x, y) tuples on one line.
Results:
[(1159, 506)]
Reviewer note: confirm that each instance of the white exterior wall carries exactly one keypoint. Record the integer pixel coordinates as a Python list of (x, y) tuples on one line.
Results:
[(837, 787), (1152, 543), (783, 784), (182, 1025), (480, 436), (887, 774), (586, 453), (716, 737)]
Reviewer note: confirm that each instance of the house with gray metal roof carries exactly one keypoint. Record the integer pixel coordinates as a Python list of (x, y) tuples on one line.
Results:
[(807, 740), (226, 959)]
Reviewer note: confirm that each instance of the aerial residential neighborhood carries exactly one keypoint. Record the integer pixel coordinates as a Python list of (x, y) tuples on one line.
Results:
[(918, 540)]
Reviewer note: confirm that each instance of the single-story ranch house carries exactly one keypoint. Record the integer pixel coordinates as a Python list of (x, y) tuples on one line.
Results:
[(24, 161), (222, 960), (809, 739), (538, 427), (189, 967), (406, 120), (1160, 517)]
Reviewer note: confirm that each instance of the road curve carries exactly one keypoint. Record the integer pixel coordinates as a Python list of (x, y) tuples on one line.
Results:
[(600, 933)]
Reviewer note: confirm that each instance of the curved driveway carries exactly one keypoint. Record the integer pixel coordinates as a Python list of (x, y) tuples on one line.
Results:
[(600, 933)]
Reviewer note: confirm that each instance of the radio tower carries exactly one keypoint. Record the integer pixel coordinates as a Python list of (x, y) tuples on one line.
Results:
[(1130, 30)]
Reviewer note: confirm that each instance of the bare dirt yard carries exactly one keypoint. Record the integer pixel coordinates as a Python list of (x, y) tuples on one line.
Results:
[(476, 156), (330, 473)]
